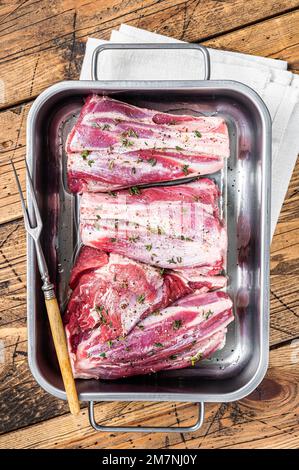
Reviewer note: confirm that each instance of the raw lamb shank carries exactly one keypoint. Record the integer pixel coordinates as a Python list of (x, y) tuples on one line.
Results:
[(114, 293), (115, 145), (170, 227)]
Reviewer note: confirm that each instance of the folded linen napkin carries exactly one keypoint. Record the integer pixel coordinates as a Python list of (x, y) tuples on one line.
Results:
[(270, 78)]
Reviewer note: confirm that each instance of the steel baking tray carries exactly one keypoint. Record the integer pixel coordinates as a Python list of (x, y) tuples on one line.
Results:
[(238, 368)]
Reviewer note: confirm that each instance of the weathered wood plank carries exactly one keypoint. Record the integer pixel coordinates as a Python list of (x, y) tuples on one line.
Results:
[(267, 417), (276, 37), (46, 41)]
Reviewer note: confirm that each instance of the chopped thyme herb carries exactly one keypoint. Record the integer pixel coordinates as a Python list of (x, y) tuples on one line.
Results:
[(116, 224), (106, 127), (148, 247), (179, 259), (121, 338), (152, 161), (112, 193), (98, 216), (208, 314), (162, 271), (173, 357), (141, 327), (117, 120), (198, 134), (134, 238), (90, 163), (111, 164), (134, 190), (140, 299), (171, 260), (140, 160), (113, 240), (145, 143), (127, 143), (158, 345), (178, 148), (103, 354), (177, 324), (185, 169), (156, 313), (195, 359), (159, 231), (85, 154), (99, 308), (132, 133), (109, 342)]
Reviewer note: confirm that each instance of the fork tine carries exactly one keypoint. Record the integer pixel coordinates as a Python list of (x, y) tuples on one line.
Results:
[(33, 197), (24, 208)]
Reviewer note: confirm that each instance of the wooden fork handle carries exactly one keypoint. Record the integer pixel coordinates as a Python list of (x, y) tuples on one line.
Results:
[(59, 339)]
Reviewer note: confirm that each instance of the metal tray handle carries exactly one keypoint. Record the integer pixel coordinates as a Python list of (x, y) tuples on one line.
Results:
[(192, 428), (204, 51)]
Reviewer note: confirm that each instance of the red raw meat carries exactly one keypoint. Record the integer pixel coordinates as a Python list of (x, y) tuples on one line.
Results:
[(113, 293), (170, 227), (173, 338), (115, 145)]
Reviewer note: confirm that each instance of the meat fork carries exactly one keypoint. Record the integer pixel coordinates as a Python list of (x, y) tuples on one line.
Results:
[(34, 229)]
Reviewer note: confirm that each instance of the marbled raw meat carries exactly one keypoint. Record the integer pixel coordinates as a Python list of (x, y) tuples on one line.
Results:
[(115, 145)]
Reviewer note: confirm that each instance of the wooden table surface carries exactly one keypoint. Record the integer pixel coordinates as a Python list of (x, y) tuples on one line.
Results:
[(42, 42)]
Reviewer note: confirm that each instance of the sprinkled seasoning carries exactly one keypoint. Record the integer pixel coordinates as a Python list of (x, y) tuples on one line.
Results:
[(105, 127), (185, 169), (141, 298), (127, 143), (132, 133), (208, 314), (148, 247), (111, 164), (85, 154), (152, 161), (158, 345), (134, 238), (177, 324), (109, 342), (134, 190), (178, 148), (195, 359), (112, 193), (198, 134), (103, 355), (90, 163)]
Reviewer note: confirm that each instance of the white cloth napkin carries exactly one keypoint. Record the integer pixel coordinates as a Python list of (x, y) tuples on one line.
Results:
[(278, 87)]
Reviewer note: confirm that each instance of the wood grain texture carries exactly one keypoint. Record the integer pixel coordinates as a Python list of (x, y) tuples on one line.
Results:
[(46, 40), (268, 417), (43, 42)]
